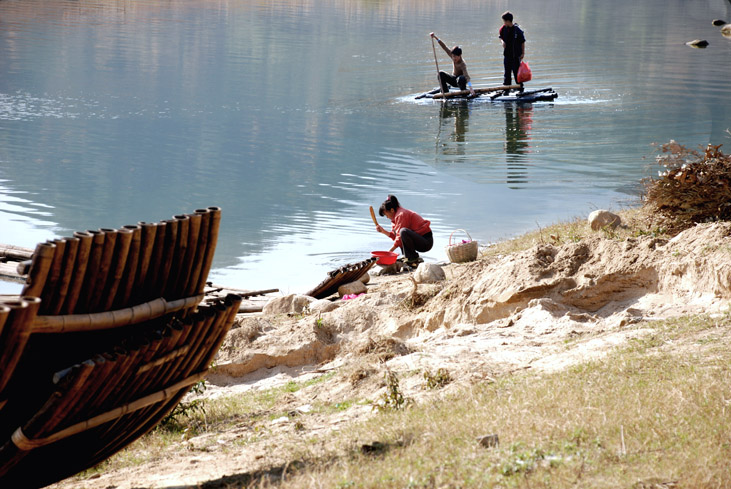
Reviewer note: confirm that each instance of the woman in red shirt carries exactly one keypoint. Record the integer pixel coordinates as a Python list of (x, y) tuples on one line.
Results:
[(410, 231)]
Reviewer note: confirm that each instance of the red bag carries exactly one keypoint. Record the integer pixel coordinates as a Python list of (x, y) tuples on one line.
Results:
[(524, 73)]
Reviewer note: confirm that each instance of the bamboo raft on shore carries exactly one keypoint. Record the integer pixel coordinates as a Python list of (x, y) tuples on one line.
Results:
[(108, 334)]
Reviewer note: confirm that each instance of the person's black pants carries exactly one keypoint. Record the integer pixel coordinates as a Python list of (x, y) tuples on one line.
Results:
[(456, 81), (511, 66), (412, 242)]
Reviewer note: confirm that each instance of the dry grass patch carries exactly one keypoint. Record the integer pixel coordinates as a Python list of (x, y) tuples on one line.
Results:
[(635, 222), (648, 414)]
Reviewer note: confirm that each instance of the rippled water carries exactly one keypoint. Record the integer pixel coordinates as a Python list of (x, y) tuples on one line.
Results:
[(295, 116)]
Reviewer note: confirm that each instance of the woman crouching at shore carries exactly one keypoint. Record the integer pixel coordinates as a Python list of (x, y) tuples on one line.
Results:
[(410, 231)]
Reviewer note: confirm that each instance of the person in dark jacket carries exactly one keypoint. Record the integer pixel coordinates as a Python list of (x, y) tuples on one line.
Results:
[(513, 41), (410, 232)]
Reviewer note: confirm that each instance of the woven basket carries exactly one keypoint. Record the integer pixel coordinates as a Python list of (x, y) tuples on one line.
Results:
[(461, 252)]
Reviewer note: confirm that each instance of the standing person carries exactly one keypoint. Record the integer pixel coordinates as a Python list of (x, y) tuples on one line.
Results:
[(410, 232), (459, 77), (513, 41)]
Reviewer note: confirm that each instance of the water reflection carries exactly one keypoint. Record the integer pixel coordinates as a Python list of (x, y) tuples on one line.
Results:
[(115, 111), (518, 124), (453, 125)]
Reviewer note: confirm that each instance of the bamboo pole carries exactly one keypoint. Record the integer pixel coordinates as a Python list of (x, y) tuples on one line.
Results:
[(130, 269), (92, 269), (67, 273), (119, 264), (41, 264), (439, 77), (54, 274), (151, 288), (15, 335), (112, 319), (102, 277), (102, 374), (168, 255), (79, 272), (188, 262), (26, 444), (117, 358), (179, 252), (122, 430), (135, 384), (241, 292), (215, 222), (147, 247), (200, 252), (52, 411), (135, 351), (123, 361), (232, 304), (170, 371), (203, 320), (202, 323), (4, 313), (179, 352), (15, 253)]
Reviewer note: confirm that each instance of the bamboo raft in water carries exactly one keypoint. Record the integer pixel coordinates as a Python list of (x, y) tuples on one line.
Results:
[(108, 334)]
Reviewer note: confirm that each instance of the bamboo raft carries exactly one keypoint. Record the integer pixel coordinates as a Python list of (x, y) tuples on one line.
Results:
[(502, 93), (107, 336), (343, 275)]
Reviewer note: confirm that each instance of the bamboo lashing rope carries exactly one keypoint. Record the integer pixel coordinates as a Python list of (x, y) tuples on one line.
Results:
[(112, 319), (26, 444)]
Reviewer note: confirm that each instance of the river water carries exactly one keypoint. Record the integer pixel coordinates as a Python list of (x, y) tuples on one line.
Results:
[(295, 115)]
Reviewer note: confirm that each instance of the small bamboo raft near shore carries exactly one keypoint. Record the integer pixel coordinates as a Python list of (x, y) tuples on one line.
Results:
[(106, 337)]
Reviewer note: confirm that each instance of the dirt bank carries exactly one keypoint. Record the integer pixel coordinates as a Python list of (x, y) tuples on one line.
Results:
[(546, 308)]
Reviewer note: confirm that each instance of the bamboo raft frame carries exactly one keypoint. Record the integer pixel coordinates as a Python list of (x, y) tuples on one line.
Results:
[(110, 332)]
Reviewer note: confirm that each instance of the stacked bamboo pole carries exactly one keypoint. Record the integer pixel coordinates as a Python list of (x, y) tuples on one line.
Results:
[(97, 270), (151, 275), (86, 420)]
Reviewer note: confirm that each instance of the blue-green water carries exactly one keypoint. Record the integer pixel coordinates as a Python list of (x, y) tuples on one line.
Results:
[(295, 116)]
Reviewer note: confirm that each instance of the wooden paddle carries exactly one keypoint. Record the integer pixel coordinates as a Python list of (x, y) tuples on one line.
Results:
[(373, 216)]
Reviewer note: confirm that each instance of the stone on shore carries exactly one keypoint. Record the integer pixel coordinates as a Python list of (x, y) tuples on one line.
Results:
[(429, 273), (601, 219), (356, 288), (288, 304), (323, 305)]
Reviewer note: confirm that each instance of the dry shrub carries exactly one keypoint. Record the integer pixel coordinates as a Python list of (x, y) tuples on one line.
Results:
[(695, 187)]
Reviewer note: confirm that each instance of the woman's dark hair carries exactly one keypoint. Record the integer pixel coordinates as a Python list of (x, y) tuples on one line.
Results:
[(390, 204)]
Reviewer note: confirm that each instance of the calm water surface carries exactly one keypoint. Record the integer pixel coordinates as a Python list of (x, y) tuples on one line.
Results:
[(295, 116)]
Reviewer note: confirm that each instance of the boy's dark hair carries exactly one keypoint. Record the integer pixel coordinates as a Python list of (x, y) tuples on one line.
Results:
[(390, 204), (457, 51), (508, 16)]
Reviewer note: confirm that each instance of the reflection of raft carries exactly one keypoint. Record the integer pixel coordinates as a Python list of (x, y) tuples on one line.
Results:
[(106, 338), (502, 93)]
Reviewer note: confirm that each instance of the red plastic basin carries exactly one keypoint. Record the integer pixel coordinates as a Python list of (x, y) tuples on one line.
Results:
[(385, 257)]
